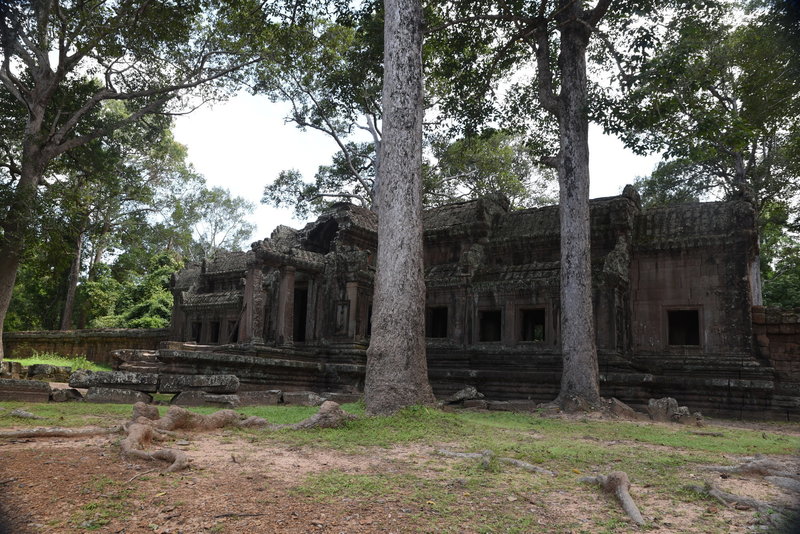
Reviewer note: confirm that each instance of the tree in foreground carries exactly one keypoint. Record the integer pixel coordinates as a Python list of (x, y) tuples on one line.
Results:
[(494, 41), (62, 60), (397, 371)]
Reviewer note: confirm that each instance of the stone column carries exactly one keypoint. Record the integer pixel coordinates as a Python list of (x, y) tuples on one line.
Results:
[(285, 319), (251, 328), (352, 296)]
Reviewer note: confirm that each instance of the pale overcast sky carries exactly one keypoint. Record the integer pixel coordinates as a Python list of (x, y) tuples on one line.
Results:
[(244, 143)]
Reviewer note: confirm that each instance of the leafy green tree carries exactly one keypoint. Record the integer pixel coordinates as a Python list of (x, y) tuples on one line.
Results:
[(62, 59), (476, 166), (721, 103)]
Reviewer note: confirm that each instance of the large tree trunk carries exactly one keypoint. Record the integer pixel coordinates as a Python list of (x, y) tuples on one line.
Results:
[(19, 219), (397, 371), (72, 284), (580, 377)]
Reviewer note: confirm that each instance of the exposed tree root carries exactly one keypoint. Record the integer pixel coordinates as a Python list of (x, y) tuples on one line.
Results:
[(755, 466), (59, 432), (486, 458), (617, 483), (146, 425)]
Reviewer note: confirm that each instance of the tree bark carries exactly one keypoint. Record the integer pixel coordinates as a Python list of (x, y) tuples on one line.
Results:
[(72, 284), (580, 376), (397, 371), (17, 223)]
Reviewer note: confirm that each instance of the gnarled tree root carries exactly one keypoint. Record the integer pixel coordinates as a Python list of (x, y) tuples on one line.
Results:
[(59, 432), (755, 466), (486, 458), (775, 516), (618, 483), (146, 425)]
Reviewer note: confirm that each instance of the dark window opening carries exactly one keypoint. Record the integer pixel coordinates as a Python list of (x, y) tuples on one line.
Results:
[(320, 238), (683, 327), (300, 313), (196, 329), (532, 325), (213, 335), (369, 320), (490, 323), (233, 331), (436, 322)]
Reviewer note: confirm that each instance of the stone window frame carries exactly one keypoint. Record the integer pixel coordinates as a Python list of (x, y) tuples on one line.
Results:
[(429, 316), (518, 333), (481, 309), (665, 326)]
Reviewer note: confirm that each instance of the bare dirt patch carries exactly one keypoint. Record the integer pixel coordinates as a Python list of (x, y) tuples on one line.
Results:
[(238, 485)]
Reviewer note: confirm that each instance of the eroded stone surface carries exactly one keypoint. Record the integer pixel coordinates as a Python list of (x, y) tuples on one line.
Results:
[(145, 382), (117, 396), (24, 390), (209, 383)]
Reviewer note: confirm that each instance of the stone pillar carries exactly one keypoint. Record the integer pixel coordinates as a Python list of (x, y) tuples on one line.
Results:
[(251, 329), (352, 296), (285, 319)]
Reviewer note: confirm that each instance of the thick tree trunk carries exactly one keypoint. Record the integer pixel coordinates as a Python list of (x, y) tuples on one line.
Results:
[(397, 371), (72, 284), (19, 218), (580, 377)]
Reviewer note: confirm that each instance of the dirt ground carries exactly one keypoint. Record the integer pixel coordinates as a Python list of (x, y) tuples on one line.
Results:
[(236, 486)]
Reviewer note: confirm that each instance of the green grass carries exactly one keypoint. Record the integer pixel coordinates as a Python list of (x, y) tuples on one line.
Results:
[(445, 494), (50, 358)]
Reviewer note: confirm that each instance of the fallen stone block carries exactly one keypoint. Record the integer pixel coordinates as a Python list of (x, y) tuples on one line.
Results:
[(13, 370), (479, 404), (24, 390), (117, 396), (201, 398), (663, 409), (135, 360), (260, 398), (66, 395), (207, 383), (620, 409), (302, 398), (48, 373), (147, 382), (467, 393)]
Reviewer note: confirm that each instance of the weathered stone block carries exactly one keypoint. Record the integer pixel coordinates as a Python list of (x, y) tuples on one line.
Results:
[(476, 403), (207, 383), (14, 370), (147, 382), (49, 373), (201, 398), (117, 395), (260, 398), (342, 398), (302, 398), (467, 393), (65, 395), (24, 390)]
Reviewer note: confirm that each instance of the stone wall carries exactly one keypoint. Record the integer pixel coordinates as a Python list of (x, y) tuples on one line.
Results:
[(95, 344), (777, 340)]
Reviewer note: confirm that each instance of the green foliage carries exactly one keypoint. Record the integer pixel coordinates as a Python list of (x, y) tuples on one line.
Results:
[(51, 358), (140, 300), (491, 163)]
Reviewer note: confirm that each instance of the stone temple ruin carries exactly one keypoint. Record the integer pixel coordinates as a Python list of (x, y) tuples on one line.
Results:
[(676, 302)]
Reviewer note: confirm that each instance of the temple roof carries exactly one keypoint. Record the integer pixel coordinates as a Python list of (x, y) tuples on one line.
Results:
[(692, 224), (225, 262)]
